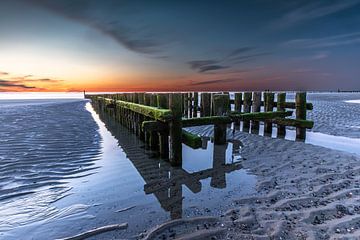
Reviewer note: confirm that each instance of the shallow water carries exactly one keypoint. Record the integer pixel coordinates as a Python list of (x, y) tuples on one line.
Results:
[(65, 169), (127, 175)]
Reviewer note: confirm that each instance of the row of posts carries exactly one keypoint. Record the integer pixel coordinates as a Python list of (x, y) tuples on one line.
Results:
[(168, 140)]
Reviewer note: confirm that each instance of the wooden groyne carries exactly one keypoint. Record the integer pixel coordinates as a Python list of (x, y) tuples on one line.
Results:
[(158, 118)]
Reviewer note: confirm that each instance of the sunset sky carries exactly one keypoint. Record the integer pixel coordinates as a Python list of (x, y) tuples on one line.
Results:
[(75, 45)]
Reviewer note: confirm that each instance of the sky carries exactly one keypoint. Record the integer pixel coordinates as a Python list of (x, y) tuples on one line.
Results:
[(114, 45)]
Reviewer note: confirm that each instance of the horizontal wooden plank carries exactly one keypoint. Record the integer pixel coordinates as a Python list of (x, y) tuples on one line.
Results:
[(293, 122)]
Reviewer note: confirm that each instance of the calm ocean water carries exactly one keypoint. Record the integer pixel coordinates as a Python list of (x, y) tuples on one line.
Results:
[(64, 169)]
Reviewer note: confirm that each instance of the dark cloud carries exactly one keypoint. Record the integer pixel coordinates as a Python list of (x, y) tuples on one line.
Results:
[(4, 73), (215, 81), (211, 68), (10, 84), (240, 51), (203, 66), (101, 18), (237, 56), (49, 80), (201, 63)]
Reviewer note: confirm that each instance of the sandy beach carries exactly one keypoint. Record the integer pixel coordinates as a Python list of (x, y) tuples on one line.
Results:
[(86, 171)]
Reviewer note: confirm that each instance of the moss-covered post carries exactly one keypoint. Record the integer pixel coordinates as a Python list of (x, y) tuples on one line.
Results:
[(256, 107), (175, 128), (185, 105), (154, 138), (237, 108), (269, 106), (163, 102), (221, 103), (205, 105), (280, 107), (196, 104), (147, 97), (190, 106), (141, 117), (300, 106), (238, 102), (247, 109)]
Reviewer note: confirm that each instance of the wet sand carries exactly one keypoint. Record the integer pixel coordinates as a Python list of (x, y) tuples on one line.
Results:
[(56, 183)]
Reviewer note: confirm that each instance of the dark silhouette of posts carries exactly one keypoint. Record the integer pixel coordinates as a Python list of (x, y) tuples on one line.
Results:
[(300, 106), (205, 105), (256, 107), (163, 102), (220, 103), (247, 109), (196, 103), (175, 127), (269, 106), (280, 107)]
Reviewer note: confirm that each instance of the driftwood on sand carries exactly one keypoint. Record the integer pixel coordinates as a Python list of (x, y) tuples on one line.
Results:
[(96, 231), (173, 223)]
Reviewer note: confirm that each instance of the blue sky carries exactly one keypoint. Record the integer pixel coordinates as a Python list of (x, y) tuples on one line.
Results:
[(179, 45)]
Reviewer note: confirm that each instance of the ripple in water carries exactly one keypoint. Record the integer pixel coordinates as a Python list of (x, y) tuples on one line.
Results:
[(42, 144)]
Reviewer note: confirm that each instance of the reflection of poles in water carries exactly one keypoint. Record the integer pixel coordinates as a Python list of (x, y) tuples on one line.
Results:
[(218, 180), (162, 180), (237, 145), (176, 199), (205, 141)]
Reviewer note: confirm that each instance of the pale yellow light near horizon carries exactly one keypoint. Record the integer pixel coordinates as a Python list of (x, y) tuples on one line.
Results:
[(74, 72)]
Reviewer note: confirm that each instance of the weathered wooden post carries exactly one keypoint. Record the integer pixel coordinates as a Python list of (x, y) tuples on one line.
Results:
[(196, 103), (147, 97), (256, 107), (141, 117), (221, 103), (300, 105), (269, 106), (205, 105), (175, 129), (238, 102), (185, 105), (237, 108), (247, 109), (190, 104), (280, 107), (163, 102), (154, 138)]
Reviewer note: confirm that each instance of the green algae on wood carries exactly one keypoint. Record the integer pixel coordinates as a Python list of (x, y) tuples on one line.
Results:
[(191, 140), (260, 115), (206, 121), (175, 131), (293, 122), (220, 103), (163, 115)]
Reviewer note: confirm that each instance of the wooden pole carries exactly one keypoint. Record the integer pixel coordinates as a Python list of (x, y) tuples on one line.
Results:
[(205, 105), (221, 103), (196, 103), (300, 106), (190, 104), (256, 107), (185, 104), (269, 106), (247, 109), (280, 107), (175, 127), (163, 102), (154, 138)]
